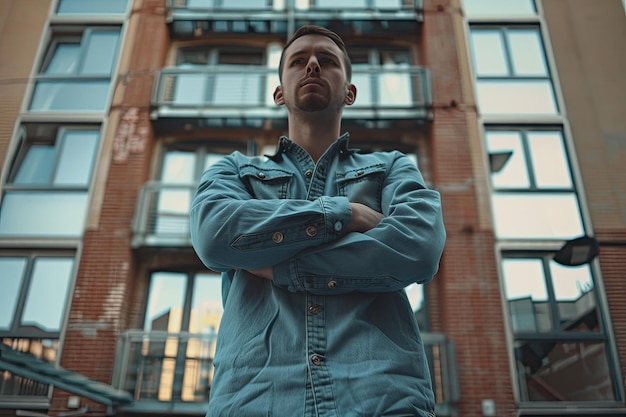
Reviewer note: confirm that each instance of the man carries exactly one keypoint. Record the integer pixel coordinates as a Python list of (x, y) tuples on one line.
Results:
[(316, 244)]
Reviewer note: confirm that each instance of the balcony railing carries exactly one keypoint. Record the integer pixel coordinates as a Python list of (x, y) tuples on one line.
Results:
[(197, 17), (245, 92), (162, 215), (165, 371), (173, 371)]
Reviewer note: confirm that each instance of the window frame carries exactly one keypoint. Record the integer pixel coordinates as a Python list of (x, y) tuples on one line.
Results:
[(18, 331), (604, 335)]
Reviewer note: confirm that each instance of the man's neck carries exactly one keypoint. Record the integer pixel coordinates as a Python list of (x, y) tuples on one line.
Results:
[(314, 135)]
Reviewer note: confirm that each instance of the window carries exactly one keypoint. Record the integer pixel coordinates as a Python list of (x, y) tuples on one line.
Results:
[(478, 8), (46, 192), (384, 76), (76, 72), (92, 6), (167, 201), (179, 367), (220, 76), (34, 292), (511, 71), (534, 195), (561, 349)]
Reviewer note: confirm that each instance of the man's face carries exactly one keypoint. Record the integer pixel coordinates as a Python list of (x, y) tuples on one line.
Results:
[(314, 76)]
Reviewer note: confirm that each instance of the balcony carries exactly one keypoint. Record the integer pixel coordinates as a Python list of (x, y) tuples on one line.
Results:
[(172, 372), (191, 18), (165, 372), (162, 215), (242, 95)]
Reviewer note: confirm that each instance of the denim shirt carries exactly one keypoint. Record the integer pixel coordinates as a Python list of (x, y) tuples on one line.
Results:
[(333, 334)]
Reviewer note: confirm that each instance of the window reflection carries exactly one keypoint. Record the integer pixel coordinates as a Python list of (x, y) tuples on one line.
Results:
[(13, 270), (165, 302), (564, 371), (48, 293), (526, 292)]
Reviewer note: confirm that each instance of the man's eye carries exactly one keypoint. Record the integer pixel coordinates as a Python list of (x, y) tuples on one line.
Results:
[(327, 61), (297, 61)]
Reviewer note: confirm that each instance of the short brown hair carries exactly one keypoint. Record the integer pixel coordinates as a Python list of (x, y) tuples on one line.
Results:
[(318, 30)]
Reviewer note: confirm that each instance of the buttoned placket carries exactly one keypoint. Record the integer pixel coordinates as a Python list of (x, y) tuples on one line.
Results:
[(322, 403)]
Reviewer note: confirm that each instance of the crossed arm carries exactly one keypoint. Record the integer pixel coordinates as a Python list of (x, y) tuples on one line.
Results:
[(371, 251)]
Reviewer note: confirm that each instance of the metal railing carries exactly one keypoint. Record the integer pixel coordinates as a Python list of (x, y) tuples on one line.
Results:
[(162, 215), (160, 368), (217, 6), (165, 367), (246, 91)]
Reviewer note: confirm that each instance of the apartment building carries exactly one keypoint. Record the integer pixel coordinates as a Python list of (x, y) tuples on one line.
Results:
[(514, 110)]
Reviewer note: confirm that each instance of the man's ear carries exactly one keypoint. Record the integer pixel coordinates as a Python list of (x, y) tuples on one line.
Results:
[(278, 96), (350, 94)]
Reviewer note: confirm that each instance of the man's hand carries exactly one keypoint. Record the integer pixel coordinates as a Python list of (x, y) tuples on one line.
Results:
[(363, 218), (267, 273)]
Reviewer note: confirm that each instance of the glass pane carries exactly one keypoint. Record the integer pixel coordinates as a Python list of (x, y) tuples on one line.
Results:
[(91, 6), (65, 59), (531, 97), (100, 51), (70, 95), (190, 89), (165, 302), (237, 89), (575, 297), (210, 159), (10, 284), (43, 213), (394, 89), (200, 4), (36, 168), (514, 174), (387, 4), (206, 305), (533, 216), (178, 168), (172, 216), (549, 159), (489, 55), (499, 8), (525, 289), (343, 4), (561, 371), (48, 293), (77, 156), (363, 85), (244, 4), (527, 53)]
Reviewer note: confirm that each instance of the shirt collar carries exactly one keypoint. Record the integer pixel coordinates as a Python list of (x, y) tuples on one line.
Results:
[(341, 146)]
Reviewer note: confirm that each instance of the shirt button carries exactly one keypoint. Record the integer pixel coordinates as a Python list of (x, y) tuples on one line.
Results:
[(316, 360), (313, 309), (277, 237), (338, 226), (260, 175), (311, 231), (332, 284), (308, 173)]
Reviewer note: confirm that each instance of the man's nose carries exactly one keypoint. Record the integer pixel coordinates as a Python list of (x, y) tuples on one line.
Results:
[(313, 67)]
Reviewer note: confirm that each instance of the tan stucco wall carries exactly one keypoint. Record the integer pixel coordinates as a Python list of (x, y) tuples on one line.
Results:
[(588, 40), (21, 27)]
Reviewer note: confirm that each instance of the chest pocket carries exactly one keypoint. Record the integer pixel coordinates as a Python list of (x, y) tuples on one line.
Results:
[(266, 184), (363, 185)]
